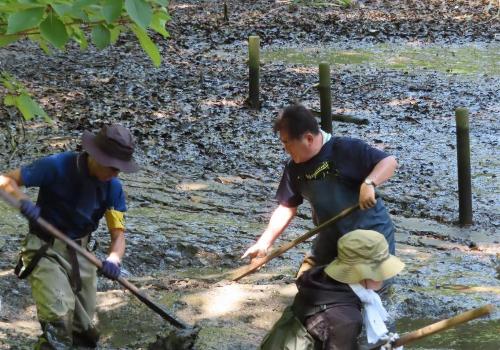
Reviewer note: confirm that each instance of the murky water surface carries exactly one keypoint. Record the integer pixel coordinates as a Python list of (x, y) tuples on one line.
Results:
[(470, 59), (482, 335)]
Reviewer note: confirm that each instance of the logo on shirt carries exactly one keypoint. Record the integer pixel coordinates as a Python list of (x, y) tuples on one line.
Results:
[(320, 172)]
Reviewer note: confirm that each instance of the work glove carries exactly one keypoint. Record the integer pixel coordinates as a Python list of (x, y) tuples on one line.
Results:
[(30, 210), (391, 338), (110, 269)]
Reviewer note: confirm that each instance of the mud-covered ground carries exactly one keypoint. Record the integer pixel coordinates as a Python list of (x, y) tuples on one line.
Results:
[(211, 165)]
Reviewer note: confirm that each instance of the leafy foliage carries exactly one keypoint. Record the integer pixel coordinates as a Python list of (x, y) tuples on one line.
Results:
[(19, 97), (53, 23)]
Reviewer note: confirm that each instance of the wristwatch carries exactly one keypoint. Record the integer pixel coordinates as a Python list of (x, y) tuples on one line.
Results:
[(370, 182)]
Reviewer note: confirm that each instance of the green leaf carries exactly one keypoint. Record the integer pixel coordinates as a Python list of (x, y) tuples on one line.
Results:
[(101, 36), (147, 44), (115, 33), (86, 3), (41, 42), (162, 2), (9, 100), (79, 36), (79, 13), (111, 10), (25, 19), (158, 23), (54, 31), (6, 40), (140, 12), (62, 10), (29, 108)]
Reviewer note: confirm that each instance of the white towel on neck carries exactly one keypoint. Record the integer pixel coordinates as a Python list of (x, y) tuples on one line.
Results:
[(374, 313), (326, 136)]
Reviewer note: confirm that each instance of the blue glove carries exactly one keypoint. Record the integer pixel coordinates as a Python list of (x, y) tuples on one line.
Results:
[(29, 209), (110, 269)]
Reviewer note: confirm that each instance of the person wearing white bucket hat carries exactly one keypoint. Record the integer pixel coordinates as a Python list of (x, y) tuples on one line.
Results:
[(334, 301)]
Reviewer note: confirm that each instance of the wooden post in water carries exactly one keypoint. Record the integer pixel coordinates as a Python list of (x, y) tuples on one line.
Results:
[(254, 70), (226, 15), (463, 165), (325, 97)]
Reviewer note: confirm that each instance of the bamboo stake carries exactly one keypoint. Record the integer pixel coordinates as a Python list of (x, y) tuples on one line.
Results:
[(463, 165), (254, 71), (325, 97)]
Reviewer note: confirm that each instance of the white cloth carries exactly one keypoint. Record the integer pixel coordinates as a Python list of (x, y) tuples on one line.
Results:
[(374, 313), (326, 136)]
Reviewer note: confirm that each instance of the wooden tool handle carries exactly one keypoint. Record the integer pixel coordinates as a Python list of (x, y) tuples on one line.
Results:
[(443, 325), (243, 271), (56, 233)]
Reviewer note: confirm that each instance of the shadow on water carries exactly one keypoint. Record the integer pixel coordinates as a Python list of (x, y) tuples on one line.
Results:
[(467, 59)]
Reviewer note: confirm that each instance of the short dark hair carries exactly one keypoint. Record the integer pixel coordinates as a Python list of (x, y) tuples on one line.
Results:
[(296, 120)]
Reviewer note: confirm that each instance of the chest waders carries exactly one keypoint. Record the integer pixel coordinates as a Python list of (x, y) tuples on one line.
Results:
[(329, 193), (22, 271)]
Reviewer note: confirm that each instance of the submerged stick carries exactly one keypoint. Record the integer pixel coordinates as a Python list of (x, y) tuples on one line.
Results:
[(344, 118)]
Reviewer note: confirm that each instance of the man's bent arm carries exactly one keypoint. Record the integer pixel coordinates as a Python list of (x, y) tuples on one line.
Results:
[(380, 173)]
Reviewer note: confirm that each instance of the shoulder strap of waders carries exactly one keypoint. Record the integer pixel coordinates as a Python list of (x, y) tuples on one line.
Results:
[(23, 273)]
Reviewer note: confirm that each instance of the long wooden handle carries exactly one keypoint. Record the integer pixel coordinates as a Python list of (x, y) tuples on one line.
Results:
[(443, 325), (55, 232), (243, 271)]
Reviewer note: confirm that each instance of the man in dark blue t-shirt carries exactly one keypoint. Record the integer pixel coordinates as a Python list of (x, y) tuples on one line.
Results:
[(332, 173), (75, 191)]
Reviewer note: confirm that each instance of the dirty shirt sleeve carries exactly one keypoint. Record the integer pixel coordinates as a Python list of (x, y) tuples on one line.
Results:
[(288, 193), (115, 213)]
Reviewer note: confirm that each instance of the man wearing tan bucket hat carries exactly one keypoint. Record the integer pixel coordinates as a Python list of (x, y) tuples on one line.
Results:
[(334, 301), (75, 191)]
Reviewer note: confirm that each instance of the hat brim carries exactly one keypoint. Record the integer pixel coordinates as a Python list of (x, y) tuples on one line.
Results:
[(89, 145), (349, 274)]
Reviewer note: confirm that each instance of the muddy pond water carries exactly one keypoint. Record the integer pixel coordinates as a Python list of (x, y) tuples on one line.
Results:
[(459, 59), (174, 225)]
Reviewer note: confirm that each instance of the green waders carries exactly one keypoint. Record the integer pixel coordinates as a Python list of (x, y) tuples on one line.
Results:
[(288, 333), (65, 307)]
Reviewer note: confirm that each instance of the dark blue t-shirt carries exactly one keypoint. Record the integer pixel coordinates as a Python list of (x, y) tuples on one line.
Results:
[(353, 159), (69, 197)]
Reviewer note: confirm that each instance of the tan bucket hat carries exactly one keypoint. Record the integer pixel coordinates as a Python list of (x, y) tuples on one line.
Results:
[(363, 254)]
